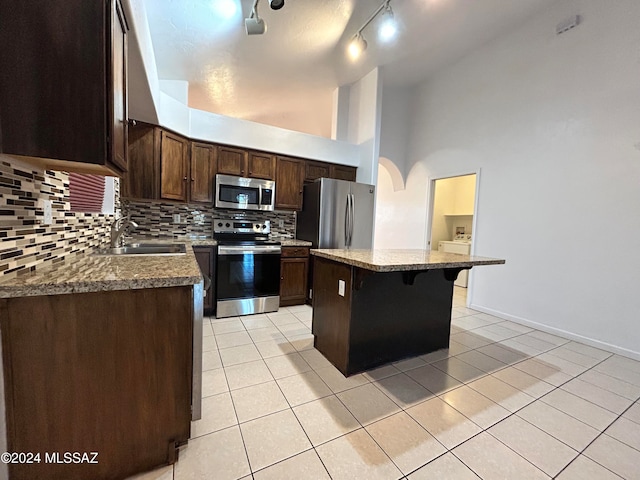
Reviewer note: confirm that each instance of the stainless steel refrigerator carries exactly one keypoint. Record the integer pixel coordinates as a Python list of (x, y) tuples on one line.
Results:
[(337, 214)]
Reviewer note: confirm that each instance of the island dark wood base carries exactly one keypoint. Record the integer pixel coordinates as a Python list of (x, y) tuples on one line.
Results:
[(383, 316)]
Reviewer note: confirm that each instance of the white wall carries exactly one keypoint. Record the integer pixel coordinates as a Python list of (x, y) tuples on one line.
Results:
[(178, 89), (400, 214), (554, 124), (234, 131), (340, 113), (395, 125), (364, 123), (143, 87)]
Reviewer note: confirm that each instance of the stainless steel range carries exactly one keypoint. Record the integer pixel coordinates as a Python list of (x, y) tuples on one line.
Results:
[(248, 271)]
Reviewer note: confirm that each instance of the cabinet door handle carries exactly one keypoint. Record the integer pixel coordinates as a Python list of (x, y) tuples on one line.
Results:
[(193, 179), (185, 179)]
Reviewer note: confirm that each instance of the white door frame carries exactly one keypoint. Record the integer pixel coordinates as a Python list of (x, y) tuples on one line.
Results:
[(431, 185)]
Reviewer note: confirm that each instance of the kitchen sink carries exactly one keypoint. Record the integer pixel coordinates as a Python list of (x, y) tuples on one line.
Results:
[(146, 249)]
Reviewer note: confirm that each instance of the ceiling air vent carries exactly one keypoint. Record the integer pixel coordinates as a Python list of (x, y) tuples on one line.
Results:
[(568, 24)]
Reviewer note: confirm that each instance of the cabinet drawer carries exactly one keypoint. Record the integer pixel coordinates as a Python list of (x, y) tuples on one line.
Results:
[(295, 251)]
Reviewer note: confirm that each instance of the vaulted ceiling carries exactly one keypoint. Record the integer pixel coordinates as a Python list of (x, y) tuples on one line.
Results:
[(286, 76)]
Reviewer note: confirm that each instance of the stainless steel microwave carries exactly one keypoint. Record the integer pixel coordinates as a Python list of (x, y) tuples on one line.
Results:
[(245, 193)]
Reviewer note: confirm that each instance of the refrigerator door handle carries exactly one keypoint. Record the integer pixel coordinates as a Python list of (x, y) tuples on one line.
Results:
[(352, 216), (346, 223), (350, 224)]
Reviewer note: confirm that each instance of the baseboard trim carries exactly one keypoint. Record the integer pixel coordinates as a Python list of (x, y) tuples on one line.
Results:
[(559, 332)]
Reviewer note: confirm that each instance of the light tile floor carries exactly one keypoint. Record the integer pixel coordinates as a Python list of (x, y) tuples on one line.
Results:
[(504, 401)]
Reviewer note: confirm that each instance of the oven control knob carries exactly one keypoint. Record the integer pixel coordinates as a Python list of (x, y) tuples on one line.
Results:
[(219, 224), (257, 225), (227, 225)]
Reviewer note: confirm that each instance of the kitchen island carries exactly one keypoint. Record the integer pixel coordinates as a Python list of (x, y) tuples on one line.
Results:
[(372, 307)]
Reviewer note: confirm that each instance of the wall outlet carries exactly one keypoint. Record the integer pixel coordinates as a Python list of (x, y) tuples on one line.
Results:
[(48, 213), (280, 223), (341, 288), (176, 218)]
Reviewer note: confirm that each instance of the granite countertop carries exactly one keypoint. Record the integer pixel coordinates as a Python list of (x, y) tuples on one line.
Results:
[(193, 240), (202, 242), (403, 260), (293, 242), (94, 273)]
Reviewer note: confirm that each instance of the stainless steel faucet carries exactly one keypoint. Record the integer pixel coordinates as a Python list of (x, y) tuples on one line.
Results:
[(118, 227)]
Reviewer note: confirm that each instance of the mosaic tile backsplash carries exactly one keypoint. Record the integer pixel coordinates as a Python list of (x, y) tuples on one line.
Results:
[(25, 243), (156, 219)]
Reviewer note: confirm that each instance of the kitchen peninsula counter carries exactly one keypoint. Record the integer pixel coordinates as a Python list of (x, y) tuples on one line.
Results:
[(111, 341), (372, 307), (87, 273)]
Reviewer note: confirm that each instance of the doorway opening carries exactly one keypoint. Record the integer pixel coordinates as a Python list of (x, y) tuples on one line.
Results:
[(452, 217)]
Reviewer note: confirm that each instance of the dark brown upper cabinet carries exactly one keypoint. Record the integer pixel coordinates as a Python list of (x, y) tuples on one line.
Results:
[(342, 172), (174, 166), (244, 163), (164, 165), (63, 84), (232, 161), (289, 182), (261, 165), (203, 168), (315, 170), (143, 175)]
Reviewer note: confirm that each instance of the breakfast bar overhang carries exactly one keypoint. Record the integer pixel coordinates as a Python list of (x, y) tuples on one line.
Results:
[(372, 307)]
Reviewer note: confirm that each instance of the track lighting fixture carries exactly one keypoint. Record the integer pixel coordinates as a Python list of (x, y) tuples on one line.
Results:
[(254, 25), (387, 31)]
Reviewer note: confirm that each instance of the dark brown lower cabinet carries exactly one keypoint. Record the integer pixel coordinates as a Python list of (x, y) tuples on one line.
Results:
[(206, 258), (104, 372), (294, 266)]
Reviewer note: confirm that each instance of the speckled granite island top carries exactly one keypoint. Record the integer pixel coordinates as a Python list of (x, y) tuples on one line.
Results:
[(293, 242), (403, 260), (93, 273)]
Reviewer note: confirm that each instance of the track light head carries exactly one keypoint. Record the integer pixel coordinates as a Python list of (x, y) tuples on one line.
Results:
[(254, 25), (357, 45), (388, 25), (276, 4)]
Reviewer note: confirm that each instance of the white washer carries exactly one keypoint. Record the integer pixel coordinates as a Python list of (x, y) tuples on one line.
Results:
[(461, 247)]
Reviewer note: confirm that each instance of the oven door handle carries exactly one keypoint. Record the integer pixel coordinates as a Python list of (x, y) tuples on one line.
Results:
[(249, 250)]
